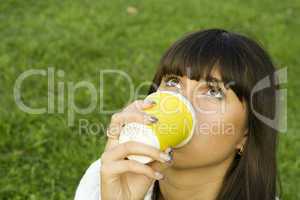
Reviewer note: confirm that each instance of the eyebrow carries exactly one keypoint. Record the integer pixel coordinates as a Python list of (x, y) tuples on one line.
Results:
[(218, 81), (209, 78), (214, 79), (167, 75)]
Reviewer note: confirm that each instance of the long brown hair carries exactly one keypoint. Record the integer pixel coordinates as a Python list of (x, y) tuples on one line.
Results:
[(243, 61)]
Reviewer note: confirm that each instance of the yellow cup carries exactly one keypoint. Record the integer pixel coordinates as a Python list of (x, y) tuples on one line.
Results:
[(175, 126)]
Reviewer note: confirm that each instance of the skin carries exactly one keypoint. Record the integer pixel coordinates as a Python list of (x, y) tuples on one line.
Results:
[(197, 169)]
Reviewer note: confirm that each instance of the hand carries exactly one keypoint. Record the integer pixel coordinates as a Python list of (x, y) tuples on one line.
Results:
[(129, 179)]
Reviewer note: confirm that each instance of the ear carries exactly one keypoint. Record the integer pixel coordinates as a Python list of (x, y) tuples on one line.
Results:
[(243, 140)]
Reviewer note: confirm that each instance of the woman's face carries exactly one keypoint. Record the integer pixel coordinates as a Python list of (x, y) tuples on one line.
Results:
[(220, 129)]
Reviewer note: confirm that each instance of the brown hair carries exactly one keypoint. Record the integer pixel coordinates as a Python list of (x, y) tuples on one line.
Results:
[(241, 60)]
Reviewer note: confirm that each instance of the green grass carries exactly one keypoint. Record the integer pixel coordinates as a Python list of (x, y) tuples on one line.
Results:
[(43, 158)]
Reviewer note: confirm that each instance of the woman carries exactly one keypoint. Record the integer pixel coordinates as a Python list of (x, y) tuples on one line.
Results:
[(232, 154)]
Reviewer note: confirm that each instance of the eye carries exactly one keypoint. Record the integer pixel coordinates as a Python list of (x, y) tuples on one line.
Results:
[(172, 81), (215, 91)]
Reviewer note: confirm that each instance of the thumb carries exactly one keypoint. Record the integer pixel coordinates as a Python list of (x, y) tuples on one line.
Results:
[(159, 166)]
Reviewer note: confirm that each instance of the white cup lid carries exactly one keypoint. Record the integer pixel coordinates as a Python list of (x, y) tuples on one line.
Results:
[(139, 133)]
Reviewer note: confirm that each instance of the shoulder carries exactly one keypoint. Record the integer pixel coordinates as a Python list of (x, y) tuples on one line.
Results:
[(90, 184)]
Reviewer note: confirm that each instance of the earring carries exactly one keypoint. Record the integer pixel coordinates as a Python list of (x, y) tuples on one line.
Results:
[(241, 151)]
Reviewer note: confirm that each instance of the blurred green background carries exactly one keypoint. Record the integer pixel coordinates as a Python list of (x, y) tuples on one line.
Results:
[(41, 157)]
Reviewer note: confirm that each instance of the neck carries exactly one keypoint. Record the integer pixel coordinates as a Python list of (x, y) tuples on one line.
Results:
[(201, 183)]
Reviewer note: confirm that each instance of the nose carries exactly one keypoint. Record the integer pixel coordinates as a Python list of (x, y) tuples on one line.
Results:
[(187, 93)]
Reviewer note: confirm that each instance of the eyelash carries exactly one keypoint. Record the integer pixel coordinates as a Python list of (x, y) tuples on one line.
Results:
[(210, 86), (218, 89), (169, 78)]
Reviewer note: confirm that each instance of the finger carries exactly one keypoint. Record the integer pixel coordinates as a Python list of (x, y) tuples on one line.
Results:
[(123, 150), (159, 166), (111, 142), (140, 105), (145, 104), (122, 166), (120, 119), (113, 133)]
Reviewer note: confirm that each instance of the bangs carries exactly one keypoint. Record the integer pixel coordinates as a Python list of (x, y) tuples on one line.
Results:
[(198, 55)]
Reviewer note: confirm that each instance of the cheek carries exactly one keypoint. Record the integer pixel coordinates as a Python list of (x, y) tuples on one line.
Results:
[(214, 139), (207, 148)]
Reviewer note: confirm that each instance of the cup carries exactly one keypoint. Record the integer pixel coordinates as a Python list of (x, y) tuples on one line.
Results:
[(175, 126)]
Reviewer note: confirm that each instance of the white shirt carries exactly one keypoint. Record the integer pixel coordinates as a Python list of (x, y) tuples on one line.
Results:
[(89, 186)]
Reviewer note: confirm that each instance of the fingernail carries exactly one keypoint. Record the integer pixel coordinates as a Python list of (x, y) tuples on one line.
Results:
[(158, 175), (153, 119), (168, 150), (171, 154), (165, 157), (148, 101)]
